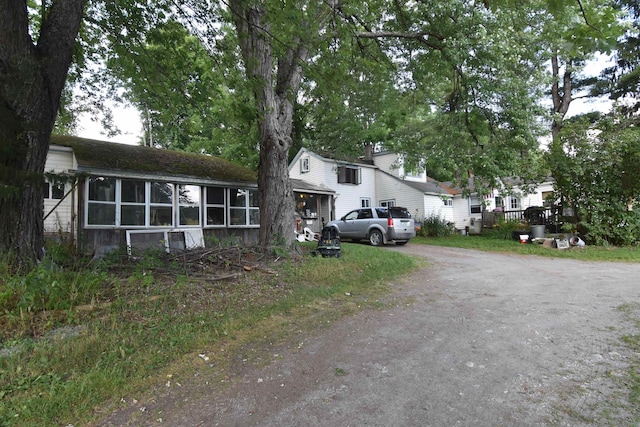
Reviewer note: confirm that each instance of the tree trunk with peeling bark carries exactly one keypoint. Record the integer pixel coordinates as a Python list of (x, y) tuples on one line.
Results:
[(32, 77), (561, 96), (276, 82)]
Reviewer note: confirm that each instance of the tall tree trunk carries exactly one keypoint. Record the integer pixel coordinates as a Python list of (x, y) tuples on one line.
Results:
[(32, 77), (274, 97), (561, 96)]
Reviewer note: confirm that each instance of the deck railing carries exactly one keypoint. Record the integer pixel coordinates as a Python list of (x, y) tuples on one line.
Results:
[(546, 216)]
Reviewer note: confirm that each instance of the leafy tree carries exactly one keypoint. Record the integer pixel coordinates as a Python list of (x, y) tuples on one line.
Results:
[(622, 81), (596, 173), (33, 70)]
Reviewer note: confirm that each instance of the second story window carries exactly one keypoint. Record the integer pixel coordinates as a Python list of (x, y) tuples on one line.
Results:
[(348, 175), (304, 165)]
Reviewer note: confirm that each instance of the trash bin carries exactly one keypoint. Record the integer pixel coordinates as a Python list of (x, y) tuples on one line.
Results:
[(537, 231)]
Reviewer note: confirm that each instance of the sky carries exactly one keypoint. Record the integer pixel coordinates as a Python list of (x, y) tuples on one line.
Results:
[(126, 118)]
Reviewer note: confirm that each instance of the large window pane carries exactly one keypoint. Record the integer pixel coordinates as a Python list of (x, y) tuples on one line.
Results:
[(189, 215), (101, 214), (215, 196), (189, 195), (215, 215), (254, 217), (189, 209), (161, 216), (102, 189), (161, 192), (132, 215), (132, 191), (215, 209), (238, 197), (253, 198), (238, 216)]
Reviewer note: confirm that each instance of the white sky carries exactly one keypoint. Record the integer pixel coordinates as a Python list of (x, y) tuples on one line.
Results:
[(127, 119)]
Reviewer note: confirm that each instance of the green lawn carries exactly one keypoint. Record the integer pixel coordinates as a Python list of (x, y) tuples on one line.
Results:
[(487, 243)]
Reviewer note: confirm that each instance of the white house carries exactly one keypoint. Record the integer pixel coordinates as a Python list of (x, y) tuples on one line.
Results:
[(380, 181), (383, 181)]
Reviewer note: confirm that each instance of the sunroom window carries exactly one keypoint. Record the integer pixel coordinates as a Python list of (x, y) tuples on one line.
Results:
[(243, 207), (215, 207), (189, 204), (101, 206), (133, 202), (161, 206)]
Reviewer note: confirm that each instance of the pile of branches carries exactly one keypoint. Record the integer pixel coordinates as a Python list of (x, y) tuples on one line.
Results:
[(217, 263)]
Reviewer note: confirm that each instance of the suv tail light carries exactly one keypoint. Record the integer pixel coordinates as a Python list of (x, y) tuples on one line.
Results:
[(390, 221)]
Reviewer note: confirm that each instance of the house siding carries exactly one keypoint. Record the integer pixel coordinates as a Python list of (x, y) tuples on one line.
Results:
[(60, 220), (387, 162), (390, 188), (434, 206), (348, 195)]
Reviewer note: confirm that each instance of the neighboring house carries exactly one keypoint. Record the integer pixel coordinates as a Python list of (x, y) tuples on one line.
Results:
[(383, 181), (105, 195), (380, 181), (352, 182)]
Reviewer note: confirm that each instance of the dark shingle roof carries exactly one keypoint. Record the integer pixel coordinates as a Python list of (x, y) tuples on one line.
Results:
[(102, 155)]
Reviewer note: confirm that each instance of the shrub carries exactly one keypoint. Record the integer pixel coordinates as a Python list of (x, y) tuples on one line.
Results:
[(504, 229), (435, 226)]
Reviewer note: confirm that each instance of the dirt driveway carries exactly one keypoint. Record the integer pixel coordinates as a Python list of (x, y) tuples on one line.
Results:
[(475, 339)]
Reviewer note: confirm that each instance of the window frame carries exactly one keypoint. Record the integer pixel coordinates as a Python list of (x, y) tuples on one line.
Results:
[(305, 165), (250, 209), (349, 175), (514, 203), (180, 205), (88, 202), (207, 204)]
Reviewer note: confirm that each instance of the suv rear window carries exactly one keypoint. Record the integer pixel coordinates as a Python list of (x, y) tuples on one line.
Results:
[(399, 212)]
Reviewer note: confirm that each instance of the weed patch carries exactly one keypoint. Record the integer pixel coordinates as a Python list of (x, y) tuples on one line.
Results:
[(129, 323)]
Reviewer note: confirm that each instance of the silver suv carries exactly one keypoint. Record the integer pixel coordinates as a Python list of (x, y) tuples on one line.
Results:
[(378, 225)]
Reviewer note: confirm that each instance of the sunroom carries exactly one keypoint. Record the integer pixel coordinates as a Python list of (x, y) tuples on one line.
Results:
[(142, 197)]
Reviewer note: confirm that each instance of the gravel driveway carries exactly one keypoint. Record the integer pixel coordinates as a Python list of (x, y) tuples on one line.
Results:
[(475, 339)]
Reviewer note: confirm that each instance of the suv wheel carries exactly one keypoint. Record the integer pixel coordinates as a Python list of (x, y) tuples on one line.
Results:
[(376, 238)]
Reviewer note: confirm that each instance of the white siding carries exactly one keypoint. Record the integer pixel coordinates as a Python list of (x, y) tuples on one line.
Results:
[(59, 159), (390, 188), (348, 195), (535, 199), (461, 215), (387, 162), (434, 205)]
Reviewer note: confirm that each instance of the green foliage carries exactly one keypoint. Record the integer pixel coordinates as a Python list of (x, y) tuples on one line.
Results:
[(145, 333), (435, 226), (492, 243), (595, 163), (54, 285), (504, 229)]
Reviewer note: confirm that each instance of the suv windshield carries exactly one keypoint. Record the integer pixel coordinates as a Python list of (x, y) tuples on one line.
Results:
[(399, 212)]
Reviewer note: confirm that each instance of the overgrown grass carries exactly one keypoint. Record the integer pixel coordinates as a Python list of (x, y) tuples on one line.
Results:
[(488, 243), (126, 332)]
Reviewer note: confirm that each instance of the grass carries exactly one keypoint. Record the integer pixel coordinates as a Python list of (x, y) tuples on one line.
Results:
[(130, 326), (489, 244), (125, 327)]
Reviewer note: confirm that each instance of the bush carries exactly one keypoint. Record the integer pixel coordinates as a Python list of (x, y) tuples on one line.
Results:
[(504, 229), (435, 226)]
